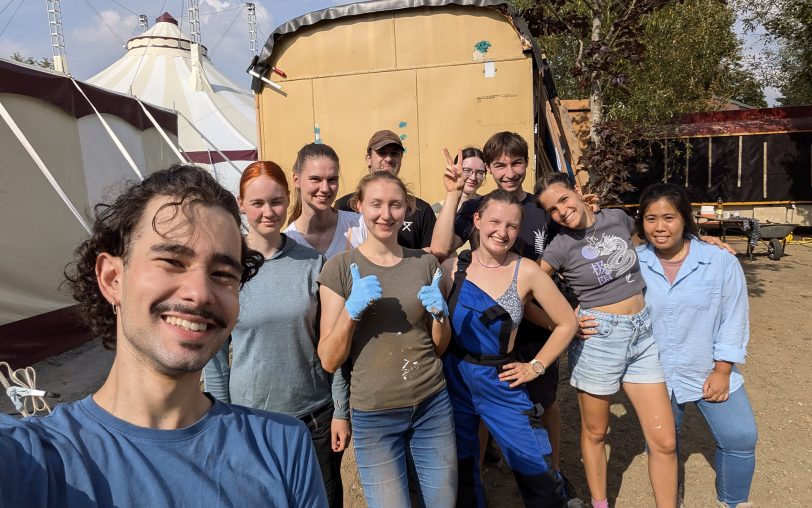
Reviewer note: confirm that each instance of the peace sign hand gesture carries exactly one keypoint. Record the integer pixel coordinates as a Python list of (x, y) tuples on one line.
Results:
[(452, 178)]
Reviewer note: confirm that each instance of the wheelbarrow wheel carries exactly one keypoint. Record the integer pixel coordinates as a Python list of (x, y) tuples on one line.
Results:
[(775, 249)]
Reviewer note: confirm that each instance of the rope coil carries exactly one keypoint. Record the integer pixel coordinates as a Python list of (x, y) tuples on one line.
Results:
[(23, 392)]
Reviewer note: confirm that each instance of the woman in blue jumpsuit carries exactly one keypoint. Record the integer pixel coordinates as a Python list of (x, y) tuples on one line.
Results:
[(483, 376)]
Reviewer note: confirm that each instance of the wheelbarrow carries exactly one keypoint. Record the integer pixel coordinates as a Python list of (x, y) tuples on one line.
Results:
[(774, 236)]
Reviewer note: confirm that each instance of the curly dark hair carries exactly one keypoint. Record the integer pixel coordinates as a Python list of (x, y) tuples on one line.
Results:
[(116, 223)]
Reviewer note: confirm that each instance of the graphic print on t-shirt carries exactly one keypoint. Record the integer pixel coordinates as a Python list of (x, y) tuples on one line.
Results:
[(619, 258), (539, 238)]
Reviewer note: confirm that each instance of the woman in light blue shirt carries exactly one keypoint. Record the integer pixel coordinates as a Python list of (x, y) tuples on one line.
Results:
[(697, 296)]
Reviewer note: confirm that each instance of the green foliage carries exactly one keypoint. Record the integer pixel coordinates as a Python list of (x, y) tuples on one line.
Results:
[(611, 162), (643, 63), (43, 62), (787, 63), (688, 59), (693, 63)]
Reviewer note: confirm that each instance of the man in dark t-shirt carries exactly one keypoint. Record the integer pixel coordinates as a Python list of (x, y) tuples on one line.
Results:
[(506, 157), (385, 153)]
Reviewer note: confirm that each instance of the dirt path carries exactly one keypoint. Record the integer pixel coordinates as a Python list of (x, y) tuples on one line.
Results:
[(778, 378)]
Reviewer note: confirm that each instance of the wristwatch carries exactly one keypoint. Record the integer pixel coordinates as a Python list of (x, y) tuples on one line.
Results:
[(537, 367)]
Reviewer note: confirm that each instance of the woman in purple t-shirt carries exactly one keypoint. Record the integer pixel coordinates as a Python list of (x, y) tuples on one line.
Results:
[(594, 252)]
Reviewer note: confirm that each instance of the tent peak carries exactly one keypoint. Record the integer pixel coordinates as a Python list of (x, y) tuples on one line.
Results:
[(166, 18)]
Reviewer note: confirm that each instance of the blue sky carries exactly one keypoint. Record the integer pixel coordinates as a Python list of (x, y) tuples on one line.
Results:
[(92, 46)]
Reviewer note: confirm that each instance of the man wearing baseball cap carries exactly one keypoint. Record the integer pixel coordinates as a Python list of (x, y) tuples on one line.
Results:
[(385, 153)]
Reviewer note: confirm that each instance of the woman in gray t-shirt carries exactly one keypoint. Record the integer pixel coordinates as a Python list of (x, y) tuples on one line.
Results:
[(274, 365), (382, 310), (594, 252)]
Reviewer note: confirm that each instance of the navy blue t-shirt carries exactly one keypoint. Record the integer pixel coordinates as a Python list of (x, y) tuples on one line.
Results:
[(535, 233), (81, 455)]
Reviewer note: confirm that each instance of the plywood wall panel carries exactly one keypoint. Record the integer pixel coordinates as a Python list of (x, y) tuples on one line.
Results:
[(350, 109), (451, 35), (459, 106), (286, 122), (350, 45)]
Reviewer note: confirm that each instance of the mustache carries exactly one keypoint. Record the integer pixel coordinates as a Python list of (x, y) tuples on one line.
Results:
[(162, 308)]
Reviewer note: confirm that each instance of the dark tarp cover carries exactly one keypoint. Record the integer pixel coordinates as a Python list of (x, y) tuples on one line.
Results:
[(788, 172)]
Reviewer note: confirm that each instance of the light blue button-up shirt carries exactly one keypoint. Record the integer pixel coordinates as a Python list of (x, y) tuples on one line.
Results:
[(703, 316)]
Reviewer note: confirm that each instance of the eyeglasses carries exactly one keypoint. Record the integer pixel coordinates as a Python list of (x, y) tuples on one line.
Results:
[(479, 174)]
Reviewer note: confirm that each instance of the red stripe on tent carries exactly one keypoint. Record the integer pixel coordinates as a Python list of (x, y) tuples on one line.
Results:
[(27, 341), (204, 157), (57, 89)]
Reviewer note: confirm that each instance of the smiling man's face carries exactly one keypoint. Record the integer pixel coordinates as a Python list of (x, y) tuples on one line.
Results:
[(178, 287), (509, 171)]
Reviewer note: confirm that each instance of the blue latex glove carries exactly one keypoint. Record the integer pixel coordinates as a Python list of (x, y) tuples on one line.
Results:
[(432, 298), (365, 290)]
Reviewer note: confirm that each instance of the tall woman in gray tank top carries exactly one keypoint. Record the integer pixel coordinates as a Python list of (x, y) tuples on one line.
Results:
[(275, 366), (594, 252)]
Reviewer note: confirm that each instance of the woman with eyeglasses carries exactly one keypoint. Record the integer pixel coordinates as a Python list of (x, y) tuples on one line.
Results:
[(473, 172)]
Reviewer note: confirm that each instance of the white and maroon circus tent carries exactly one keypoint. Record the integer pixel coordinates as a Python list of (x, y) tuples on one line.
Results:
[(216, 118), (64, 146)]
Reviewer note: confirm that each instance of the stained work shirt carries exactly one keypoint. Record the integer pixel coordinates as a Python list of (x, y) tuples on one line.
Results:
[(81, 455), (703, 316), (392, 355)]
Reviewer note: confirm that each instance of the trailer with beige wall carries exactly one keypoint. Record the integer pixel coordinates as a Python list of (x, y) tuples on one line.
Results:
[(441, 73)]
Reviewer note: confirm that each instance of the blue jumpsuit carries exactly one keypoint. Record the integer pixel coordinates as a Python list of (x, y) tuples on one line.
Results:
[(481, 331)]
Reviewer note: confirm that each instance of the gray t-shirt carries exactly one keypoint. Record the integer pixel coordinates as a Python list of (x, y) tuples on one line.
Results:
[(599, 262), (392, 355)]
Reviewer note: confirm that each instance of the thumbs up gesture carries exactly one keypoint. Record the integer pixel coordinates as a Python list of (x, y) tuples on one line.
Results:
[(432, 298), (365, 291)]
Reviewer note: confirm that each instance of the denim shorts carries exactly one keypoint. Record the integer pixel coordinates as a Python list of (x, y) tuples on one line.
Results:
[(622, 350)]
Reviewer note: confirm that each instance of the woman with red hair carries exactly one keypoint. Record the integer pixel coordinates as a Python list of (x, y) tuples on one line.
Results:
[(274, 364)]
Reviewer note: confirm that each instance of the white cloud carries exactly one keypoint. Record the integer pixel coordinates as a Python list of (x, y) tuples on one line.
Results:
[(8, 47), (216, 5), (99, 33)]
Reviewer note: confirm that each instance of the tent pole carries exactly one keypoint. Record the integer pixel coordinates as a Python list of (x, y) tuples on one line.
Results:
[(161, 131), (41, 165), (207, 140), (110, 132)]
